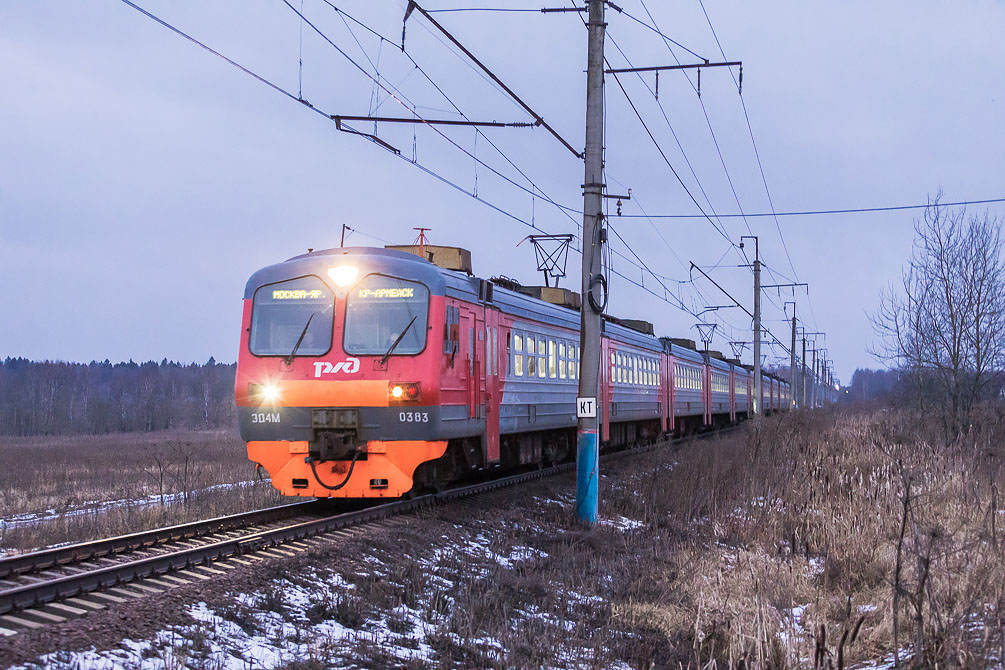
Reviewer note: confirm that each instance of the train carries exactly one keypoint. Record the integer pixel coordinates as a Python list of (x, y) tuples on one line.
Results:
[(382, 372)]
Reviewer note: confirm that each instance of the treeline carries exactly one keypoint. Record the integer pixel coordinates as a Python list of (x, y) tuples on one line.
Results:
[(57, 398)]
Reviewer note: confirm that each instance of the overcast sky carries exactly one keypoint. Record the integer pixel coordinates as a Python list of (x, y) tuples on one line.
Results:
[(142, 179)]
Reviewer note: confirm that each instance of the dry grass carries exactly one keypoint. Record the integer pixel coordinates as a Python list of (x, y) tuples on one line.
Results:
[(68, 477), (786, 542), (773, 548)]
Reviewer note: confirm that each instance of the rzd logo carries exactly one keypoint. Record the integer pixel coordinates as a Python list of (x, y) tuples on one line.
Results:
[(348, 366)]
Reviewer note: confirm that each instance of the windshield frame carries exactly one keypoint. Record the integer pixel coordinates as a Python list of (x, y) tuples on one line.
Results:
[(251, 319), (429, 302)]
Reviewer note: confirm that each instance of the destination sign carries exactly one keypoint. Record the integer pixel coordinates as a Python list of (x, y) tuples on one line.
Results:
[(297, 294), (386, 293)]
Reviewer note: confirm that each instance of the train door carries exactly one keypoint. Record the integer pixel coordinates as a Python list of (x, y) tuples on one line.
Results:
[(493, 392), (471, 329)]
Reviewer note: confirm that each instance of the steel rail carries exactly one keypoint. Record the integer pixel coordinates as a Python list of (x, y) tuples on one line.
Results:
[(35, 561), (41, 593), (29, 595)]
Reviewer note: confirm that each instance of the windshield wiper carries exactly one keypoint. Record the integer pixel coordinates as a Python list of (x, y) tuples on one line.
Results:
[(289, 359), (397, 341)]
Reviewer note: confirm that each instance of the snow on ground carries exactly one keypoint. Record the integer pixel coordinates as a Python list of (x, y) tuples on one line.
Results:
[(98, 507), (311, 616), (622, 524)]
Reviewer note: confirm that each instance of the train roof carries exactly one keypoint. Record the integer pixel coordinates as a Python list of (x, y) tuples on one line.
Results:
[(465, 286)]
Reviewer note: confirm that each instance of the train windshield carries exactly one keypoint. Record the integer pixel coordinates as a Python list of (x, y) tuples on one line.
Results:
[(292, 318), (382, 311)]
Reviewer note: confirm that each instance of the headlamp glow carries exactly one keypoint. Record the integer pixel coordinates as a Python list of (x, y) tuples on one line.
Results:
[(343, 275), (269, 393)]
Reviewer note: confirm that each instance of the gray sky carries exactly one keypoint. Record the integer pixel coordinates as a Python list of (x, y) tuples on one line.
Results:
[(143, 179)]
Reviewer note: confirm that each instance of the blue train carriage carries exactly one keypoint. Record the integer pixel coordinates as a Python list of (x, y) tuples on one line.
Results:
[(633, 396), (719, 410), (742, 385), (687, 385)]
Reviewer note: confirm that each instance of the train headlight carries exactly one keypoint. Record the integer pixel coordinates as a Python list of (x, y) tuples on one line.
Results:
[(270, 393), (403, 391), (343, 275), (266, 394)]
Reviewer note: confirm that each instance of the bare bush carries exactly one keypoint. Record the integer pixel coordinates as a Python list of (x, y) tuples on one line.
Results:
[(945, 323)]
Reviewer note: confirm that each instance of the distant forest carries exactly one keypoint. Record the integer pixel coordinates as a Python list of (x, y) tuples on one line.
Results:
[(56, 398)]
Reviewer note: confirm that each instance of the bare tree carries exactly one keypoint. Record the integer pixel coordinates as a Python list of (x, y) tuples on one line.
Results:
[(945, 323)]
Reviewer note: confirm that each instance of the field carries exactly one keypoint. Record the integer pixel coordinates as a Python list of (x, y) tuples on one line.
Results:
[(65, 489), (838, 540)]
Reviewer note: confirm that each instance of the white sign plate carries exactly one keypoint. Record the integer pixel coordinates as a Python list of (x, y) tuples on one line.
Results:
[(586, 408)]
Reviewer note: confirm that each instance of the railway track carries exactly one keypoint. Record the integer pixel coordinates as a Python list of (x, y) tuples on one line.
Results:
[(55, 585)]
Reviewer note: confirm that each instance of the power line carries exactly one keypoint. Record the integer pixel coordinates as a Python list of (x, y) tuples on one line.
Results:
[(319, 111), (815, 212), (757, 156), (656, 30), (708, 121), (673, 133), (667, 160)]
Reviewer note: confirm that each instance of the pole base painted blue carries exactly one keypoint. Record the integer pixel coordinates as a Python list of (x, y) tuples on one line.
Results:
[(587, 474)]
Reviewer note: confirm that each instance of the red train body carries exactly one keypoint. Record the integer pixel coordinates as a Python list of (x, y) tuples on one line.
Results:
[(366, 372)]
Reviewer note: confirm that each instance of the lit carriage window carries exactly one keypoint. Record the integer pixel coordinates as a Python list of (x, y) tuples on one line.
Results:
[(530, 344), (561, 360), (542, 360), (552, 360), (614, 366), (572, 369)]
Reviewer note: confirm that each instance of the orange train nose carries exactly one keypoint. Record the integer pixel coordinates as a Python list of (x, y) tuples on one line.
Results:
[(386, 471)]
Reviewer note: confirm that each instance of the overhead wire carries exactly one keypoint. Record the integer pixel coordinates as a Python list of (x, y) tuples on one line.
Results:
[(816, 212), (757, 156)]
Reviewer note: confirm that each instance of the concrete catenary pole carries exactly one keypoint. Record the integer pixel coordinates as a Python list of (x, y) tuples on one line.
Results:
[(588, 446), (792, 359), (813, 388), (802, 381), (756, 400)]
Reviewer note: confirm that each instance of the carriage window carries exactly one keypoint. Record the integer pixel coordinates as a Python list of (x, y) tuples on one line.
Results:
[(530, 345), (531, 363), (552, 361), (561, 360), (291, 312), (542, 361), (382, 310)]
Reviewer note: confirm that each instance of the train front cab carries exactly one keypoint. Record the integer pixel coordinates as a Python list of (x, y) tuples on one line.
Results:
[(337, 385)]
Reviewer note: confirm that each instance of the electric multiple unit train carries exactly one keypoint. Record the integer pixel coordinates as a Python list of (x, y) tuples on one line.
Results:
[(367, 372)]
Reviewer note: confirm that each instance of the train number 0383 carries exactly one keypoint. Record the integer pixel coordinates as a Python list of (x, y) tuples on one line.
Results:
[(265, 417), (413, 417)]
